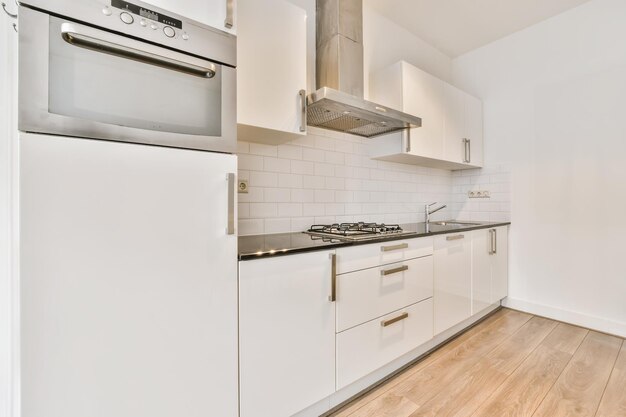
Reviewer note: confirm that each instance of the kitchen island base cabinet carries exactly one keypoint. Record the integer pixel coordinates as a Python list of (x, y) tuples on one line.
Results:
[(365, 348), (287, 334), (452, 280)]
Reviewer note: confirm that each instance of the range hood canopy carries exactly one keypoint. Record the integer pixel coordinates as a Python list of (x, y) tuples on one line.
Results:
[(338, 103)]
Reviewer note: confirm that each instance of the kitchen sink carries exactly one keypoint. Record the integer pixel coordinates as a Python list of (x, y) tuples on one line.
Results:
[(455, 223)]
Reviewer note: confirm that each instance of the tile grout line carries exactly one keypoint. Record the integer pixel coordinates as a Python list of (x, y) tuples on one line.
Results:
[(609, 378), (561, 373)]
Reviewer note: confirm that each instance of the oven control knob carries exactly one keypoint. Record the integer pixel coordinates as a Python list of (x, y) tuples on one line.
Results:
[(106, 11), (169, 31), (126, 18), (143, 22), (153, 26), (185, 37)]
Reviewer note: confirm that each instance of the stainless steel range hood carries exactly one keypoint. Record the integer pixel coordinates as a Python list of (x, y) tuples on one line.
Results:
[(338, 103)]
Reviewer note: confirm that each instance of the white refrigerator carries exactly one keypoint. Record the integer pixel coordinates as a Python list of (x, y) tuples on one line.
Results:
[(128, 280)]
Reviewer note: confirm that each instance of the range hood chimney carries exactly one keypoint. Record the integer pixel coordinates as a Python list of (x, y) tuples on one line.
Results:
[(338, 103)]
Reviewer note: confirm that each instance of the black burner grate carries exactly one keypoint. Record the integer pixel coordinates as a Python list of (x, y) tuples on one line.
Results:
[(360, 228)]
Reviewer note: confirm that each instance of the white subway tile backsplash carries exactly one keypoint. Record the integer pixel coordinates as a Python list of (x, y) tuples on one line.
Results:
[(327, 177)]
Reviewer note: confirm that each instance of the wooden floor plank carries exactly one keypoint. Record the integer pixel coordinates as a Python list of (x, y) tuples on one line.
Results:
[(613, 402), (578, 390), (426, 383), (493, 319), (523, 391), (469, 390)]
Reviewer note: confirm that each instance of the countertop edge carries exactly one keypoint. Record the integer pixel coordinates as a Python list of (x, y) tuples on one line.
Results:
[(334, 245)]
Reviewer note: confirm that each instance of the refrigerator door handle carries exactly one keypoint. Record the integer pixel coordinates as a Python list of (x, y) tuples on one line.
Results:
[(230, 229)]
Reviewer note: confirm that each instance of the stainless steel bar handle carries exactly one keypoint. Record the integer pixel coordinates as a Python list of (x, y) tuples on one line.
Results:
[(230, 5), (406, 139), (389, 322), (303, 122), (230, 228), (495, 241), (394, 247), (490, 241), (11, 15), (87, 38), (466, 157), (333, 278), (455, 237), (386, 272), (469, 150)]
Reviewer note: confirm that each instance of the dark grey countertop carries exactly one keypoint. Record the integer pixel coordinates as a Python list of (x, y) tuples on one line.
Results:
[(258, 246)]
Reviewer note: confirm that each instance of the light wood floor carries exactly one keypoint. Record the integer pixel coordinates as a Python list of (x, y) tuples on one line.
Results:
[(511, 364)]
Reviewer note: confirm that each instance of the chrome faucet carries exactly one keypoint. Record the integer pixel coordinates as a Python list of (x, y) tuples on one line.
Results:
[(428, 211)]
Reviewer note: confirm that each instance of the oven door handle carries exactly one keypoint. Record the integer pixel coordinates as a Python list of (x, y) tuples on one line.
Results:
[(88, 38)]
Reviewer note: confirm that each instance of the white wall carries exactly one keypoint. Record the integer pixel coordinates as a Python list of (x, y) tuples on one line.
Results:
[(554, 106), (8, 260), (386, 43), (327, 177)]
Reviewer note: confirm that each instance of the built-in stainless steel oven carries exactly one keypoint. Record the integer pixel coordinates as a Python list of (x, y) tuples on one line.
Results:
[(125, 71)]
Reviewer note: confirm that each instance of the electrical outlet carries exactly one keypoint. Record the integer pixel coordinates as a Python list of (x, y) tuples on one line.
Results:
[(242, 188), (479, 194)]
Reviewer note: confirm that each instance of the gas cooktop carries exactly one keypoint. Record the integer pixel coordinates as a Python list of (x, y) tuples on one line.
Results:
[(354, 231)]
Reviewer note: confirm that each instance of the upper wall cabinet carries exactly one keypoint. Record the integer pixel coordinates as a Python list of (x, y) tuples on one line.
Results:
[(271, 71), (220, 14), (451, 135)]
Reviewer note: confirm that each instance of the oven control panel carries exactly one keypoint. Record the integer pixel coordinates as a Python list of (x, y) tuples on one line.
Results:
[(152, 20)]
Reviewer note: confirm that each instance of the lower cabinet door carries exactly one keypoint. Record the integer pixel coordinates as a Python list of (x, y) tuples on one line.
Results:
[(365, 348), (500, 265), (286, 334), (481, 269), (453, 280)]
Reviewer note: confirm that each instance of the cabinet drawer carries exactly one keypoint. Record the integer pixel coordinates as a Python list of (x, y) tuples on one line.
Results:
[(373, 292), (359, 257), (367, 347)]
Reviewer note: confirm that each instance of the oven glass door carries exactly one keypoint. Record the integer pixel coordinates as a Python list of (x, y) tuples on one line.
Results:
[(104, 85)]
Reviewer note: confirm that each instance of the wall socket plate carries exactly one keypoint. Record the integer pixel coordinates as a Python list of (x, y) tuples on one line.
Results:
[(479, 194), (242, 187)]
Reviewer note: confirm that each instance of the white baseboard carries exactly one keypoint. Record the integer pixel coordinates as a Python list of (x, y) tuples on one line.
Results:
[(591, 322)]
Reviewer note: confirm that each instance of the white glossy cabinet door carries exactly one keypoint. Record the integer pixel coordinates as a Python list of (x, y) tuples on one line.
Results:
[(128, 280), (473, 129), (271, 71), (287, 334), (481, 270), (500, 265), (452, 276), (454, 124), (213, 13), (424, 96)]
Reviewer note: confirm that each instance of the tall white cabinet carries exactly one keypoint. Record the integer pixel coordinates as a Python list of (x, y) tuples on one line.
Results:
[(128, 280), (287, 333), (220, 14), (451, 135), (271, 71)]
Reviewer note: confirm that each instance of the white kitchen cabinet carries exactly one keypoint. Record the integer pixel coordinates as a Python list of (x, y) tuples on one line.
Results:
[(219, 14), (286, 334), (489, 267), (128, 290), (452, 280), (354, 258), (500, 264), (365, 348), (451, 134), (271, 71), (374, 292)]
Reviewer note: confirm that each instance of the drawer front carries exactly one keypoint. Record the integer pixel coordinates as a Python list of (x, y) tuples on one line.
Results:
[(367, 347), (355, 258), (373, 292)]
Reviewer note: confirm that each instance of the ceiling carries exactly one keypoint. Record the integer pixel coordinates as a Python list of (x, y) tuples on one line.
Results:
[(458, 26)]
